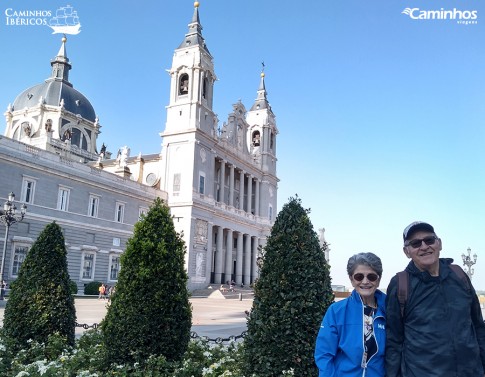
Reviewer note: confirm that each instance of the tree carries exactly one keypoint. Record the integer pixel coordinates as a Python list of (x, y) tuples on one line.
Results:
[(40, 303), (150, 312), (290, 298)]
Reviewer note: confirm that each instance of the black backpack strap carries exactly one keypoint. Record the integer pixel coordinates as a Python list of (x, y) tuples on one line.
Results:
[(461, 274), (403, 284), (402, 289)]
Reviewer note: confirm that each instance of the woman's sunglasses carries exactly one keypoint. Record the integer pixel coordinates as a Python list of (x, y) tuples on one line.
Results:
[(371, 277)]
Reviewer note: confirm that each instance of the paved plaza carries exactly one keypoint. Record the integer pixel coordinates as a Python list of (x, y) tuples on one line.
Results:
[(211, 317)]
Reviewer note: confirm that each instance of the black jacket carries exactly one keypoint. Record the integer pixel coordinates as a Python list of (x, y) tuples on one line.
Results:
[(442, 333)]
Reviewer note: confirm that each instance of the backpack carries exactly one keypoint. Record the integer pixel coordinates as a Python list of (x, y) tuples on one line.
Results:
[(403, 284)]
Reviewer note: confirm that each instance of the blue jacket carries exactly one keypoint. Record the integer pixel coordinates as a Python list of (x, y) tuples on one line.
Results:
[(340, 343)]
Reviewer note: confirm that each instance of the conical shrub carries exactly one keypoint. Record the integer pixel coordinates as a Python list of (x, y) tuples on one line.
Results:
[(290, 298), (40, 303), (150, 312)]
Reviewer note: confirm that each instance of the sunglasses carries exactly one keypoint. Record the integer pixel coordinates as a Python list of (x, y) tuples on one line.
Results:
[(430, 240), (371, 277)]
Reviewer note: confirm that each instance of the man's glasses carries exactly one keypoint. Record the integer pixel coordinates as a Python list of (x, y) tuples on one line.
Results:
[(371, 277), (430, 240)]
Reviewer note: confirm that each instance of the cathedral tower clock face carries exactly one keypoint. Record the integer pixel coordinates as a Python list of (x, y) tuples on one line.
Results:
[(151, 179)]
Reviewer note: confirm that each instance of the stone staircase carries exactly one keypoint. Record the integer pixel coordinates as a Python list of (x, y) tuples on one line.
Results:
[(217, 291)]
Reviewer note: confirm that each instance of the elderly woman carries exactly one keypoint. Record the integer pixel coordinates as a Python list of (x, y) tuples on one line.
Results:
[(351, 340)]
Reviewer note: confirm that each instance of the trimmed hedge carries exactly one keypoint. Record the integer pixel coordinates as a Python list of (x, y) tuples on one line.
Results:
[(150, 314), (290, 298), (92, 288), (40, 303), (73, 287)]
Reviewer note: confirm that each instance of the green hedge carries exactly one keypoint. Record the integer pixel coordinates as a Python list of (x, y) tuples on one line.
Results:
[(290, 298), (142, 323), (40, 303), (92, 288), (73, 287)]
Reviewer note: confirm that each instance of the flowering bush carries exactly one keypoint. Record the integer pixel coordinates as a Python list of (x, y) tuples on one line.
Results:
[(88, 359)]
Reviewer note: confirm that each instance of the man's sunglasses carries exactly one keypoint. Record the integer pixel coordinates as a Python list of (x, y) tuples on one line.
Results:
[(371, 277), (430, 240)]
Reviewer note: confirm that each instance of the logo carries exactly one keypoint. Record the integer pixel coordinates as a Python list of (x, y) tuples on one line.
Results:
[(466, 17), (64, 20)]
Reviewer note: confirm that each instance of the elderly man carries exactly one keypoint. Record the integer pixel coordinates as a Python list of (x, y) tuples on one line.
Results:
[(434, 324)]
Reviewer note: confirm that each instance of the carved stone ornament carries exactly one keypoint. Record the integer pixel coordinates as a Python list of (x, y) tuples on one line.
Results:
[(201, 231)]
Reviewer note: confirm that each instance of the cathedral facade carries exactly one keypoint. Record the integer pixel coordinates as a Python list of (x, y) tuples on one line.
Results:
[(221, 184), (219, 181)]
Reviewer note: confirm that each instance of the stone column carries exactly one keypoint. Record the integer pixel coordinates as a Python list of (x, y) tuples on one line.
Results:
[(241, 190), (256, 199), (221, 181), (231, 185), (239, 258), (208, 253), (247, 260), (250, 192), (228, 267), (255, 258), (265, 138), (219, 253)]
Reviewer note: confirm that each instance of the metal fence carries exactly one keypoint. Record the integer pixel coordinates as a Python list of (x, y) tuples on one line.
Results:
[(193, 335)]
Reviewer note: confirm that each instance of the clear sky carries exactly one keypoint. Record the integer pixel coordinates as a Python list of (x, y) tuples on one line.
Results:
[(381, 117)]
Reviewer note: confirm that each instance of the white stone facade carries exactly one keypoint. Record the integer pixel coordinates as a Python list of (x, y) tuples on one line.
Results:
[(219, 181), (95, 209)]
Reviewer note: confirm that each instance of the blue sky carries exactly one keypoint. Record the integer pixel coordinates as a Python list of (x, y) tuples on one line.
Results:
[(381, 117)]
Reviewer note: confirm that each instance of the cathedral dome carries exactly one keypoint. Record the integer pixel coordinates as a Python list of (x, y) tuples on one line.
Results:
[(57, 90), (52, 93)]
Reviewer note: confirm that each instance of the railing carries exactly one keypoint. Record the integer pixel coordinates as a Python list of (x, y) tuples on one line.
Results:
[(193, 334), (217, 340), (73, 149), (85, 326), (228, 208)]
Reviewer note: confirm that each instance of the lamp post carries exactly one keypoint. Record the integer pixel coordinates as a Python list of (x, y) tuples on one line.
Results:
[(8, 217), (468, 262)]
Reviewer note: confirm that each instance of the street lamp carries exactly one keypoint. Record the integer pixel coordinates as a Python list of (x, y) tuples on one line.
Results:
[(468, 262), (8, 217)]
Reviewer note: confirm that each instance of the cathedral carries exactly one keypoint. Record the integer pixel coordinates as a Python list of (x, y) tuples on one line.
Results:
[(219, 181)]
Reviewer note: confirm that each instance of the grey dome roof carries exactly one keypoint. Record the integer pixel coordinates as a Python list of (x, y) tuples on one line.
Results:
[(52, 92), (57, 88)]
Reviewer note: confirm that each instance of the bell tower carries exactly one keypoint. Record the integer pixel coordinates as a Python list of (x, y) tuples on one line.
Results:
[(192, 82), (262, 131)]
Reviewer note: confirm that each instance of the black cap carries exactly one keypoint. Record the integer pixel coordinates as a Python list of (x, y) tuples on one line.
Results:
[(414, 227)]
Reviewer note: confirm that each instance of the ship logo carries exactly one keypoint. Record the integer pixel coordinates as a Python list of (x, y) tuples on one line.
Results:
[(65, 21)]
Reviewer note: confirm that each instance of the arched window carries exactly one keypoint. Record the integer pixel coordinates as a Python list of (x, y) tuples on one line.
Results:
[(204, 88), (256, 138), (76, 137), (184, 84)]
